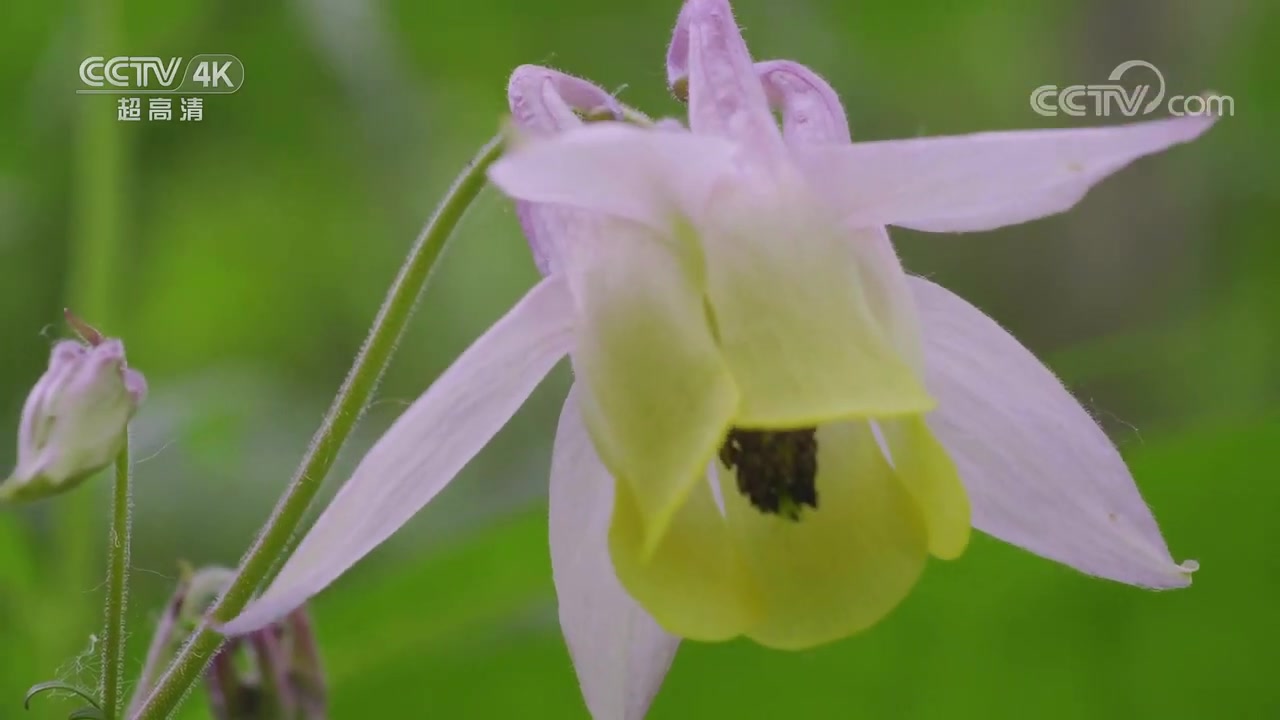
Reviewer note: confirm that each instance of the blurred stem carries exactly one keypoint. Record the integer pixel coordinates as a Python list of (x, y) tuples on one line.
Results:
[(93, 258), (273, 541), (118, 540)]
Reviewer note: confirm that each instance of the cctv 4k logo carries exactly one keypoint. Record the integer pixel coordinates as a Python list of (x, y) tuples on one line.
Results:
[(207, 74)]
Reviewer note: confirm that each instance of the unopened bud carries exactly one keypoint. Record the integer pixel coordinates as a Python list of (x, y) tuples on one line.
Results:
[(280, 677), (196, 590), (270, 674), (75, 419)]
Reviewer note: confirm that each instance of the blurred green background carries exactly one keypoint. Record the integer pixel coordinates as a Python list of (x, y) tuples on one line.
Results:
[(242, 258)]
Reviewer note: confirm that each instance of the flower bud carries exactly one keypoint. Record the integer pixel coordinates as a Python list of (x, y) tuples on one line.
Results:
[(75, 419), (269, 674), (196, 590), (281, 680)]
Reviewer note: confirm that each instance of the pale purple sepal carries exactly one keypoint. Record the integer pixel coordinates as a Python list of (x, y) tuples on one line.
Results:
[(725, 95), (1039, 471), (543, 102), (619, 652)]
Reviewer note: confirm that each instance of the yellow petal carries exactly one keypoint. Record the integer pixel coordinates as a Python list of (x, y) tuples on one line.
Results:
[(793, 321), (884, 283), (693, 582), (926, 470), (843, 566), (655, 395)]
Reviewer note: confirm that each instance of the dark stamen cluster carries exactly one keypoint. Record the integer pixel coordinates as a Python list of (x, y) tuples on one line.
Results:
[(776, 469)]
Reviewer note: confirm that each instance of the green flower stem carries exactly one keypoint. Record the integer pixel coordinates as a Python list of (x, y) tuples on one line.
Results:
[(273, 541), (118, 543)]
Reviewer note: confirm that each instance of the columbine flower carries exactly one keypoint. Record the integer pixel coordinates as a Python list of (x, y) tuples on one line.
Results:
[(772, 425), (76, 417)]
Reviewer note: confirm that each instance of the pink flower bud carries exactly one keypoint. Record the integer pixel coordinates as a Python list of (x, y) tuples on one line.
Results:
[(75, 419)]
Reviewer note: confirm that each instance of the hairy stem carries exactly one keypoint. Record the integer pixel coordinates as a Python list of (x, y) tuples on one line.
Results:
[(118, 541), (273, 541)]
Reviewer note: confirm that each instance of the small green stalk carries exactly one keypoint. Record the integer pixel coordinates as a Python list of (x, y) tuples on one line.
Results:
[(118, 543), (273, 541)]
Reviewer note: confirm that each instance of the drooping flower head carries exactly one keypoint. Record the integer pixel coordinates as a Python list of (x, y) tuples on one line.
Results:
[(772, 425), (765, 328)]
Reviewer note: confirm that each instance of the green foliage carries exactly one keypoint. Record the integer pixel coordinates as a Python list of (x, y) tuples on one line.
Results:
[(256, 245)]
